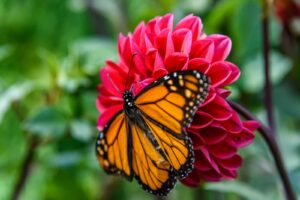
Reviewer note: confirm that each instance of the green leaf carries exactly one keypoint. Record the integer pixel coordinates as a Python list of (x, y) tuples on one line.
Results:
[(220, 14), (246, 29), (13, 93), (253, 71), (239, 188), (287, 101), (82, 130), (12, 152), (92, 53), (5, 51), (47, 122)]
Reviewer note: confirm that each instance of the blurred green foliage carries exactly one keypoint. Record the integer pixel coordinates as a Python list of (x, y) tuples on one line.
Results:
[(50, 55)]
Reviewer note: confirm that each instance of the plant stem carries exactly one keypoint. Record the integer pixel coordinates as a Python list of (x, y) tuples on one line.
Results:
[(273, 146), (25, 169), (266, 52)]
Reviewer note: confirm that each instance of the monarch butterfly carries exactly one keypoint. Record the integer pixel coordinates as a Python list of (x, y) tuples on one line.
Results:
[(147, 139)]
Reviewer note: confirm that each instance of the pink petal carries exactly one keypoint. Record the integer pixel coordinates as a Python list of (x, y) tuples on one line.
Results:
[(158, 24), (107, 115), (139, 33), (166, 22), (222, 46), (203, 49), (121, 41), (241, 139), (231, 163), (222, 150), (210, 175), (199, 64), (164, 43), (251, 125), (233, 124), (213, 135), (234, 75), (210, 97), (193, 23), (201, 120), (176, 62), (197, 140), (207, 154), (192, 179), (113, 79), (154, 61), (182, 40), (106, 99), (201, 162), (141, 38), (218, 109), (137, 62), (228, 174), (218, 73), (223, 93), (137, 87)]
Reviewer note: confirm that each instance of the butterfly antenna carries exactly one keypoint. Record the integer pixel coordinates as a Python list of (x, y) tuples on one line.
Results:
[(113, 84), (134, 54)]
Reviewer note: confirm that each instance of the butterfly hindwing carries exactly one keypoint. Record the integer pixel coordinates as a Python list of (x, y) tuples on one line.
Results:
[(151, 169), (113, 147), (168, 106)]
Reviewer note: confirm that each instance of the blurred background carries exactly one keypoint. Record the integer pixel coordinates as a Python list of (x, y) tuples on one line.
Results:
[(50, 55)]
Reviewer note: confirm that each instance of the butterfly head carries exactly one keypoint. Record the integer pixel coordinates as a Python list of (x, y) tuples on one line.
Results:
[(128, 98)]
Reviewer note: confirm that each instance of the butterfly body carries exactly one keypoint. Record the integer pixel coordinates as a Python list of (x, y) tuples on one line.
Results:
[(147, 139)]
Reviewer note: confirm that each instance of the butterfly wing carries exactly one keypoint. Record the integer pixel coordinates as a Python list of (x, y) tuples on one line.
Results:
[(113, 147), (151, 169), (167, 107)]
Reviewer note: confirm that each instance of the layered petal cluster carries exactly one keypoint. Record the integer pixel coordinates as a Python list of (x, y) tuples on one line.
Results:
[(160, 47)]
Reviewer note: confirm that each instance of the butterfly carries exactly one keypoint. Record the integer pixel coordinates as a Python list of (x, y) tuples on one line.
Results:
[(147, 139)]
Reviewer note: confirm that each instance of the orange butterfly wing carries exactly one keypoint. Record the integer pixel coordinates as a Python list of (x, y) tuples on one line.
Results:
[(167, 108), (112, 147)]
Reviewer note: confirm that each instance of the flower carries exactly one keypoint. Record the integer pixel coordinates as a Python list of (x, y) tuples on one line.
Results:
[(217, 131)]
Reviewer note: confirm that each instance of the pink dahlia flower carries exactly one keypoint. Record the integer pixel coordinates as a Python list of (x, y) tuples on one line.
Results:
[(217, 131)]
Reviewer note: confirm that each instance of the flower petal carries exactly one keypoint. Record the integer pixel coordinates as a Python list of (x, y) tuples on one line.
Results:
[(156, 25), (164, 43), (107, 115), (193, 23), (176, 62), (199, 64), (218, 109), (201, 120), (182, 40), (106, 99), (233, 124), (210, 175), (213, 135), (218, 73), (234, 75), (222, 150), (203, 49), (201, 162), (222, 46), (251, 125), (192, 180), (231, 163), (241, 139)]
